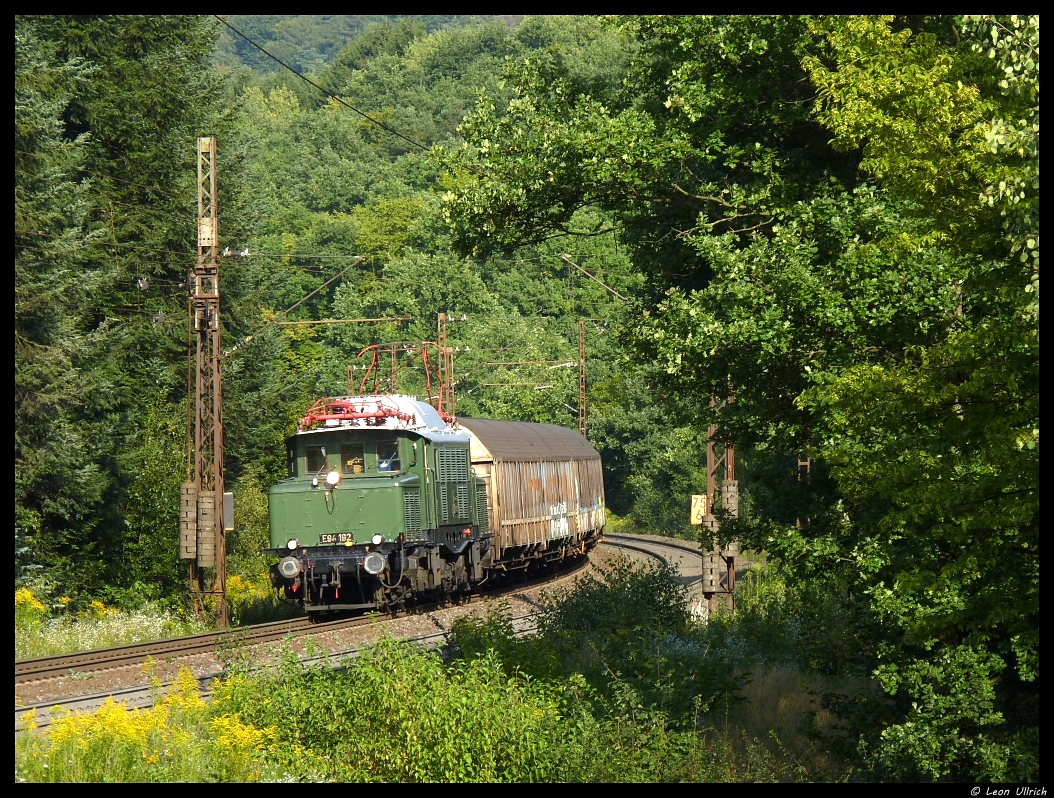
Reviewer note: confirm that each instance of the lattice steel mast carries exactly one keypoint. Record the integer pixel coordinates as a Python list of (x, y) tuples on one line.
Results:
[(719, 565), (202, 522)]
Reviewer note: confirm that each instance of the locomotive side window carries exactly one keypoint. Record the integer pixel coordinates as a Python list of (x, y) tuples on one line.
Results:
[(388, 456), (316, 459), (352, 458), (292, 460)]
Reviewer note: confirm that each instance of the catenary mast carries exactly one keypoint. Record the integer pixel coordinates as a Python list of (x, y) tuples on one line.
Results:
[(204, 505)]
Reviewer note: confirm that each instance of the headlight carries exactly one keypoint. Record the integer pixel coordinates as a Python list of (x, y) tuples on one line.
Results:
[(377, 540), (374, 562), (293, 544), (332, 478), (289, 567)]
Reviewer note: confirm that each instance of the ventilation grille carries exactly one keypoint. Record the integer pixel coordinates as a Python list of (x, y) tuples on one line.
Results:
[(453, 465), (412, 505), (463, 510), (481, 509), (454, 504)]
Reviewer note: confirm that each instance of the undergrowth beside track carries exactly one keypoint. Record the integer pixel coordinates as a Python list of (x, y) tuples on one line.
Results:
[(43, 632), (619, 684)]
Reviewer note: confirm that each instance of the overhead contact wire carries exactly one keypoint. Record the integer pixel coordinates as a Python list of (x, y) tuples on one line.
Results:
[(363, 114)]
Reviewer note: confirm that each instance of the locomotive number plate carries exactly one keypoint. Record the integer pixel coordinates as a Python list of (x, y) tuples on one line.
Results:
[(342, 537)]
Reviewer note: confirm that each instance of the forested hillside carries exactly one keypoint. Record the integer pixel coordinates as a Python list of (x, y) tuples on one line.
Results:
[(307, 42), (832, 223)]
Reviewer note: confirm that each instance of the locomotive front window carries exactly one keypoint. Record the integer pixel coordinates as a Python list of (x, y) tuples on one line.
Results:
[(316, 459), (388, 456), (352, 458), (292, 461)]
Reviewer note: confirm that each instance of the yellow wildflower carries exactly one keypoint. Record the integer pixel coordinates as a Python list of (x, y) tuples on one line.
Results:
[(24, 599), (96, 609), (28, 721)]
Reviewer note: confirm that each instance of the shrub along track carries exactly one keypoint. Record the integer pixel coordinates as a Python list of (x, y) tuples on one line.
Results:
[(66, 679), (83, 662)]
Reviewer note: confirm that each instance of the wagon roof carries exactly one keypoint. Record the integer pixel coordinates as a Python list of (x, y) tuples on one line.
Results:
[(520, 440)]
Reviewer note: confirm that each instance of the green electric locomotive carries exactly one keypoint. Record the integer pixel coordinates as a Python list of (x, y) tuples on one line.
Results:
[(386, 500)]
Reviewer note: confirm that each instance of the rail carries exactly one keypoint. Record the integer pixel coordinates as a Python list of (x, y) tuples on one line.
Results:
[(140, 697), (136, 653), (143, 697)]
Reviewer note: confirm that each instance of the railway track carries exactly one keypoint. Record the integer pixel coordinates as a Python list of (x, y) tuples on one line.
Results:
[(687, 560), (103, 659), (106, 658), (686, 554), (143, 696), (667, 543), (87, 662)]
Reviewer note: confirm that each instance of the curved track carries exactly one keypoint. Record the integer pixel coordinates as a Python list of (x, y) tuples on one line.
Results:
[(676, 553), (674, 544), (639, 549), (105, 658), (51, 677), (82, 664)]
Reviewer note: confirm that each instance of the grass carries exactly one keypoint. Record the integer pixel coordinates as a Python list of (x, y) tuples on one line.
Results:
[(98, 626), (39, 633), (66, 635)]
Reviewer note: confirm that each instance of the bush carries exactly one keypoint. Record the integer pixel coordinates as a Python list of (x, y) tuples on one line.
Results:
[(179, 739), (256, 601), (398, 713), (618, 685), (629, 627)]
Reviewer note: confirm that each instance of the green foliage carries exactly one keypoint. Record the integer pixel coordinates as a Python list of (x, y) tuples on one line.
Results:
[(626, 631), (104, 210), (156, 465), (838, 220), (490, 727), (505, 708), (708, 129), (379, 721), (98, 413), (746, 673), (59, 437), (966, 604), (251, 597), (308, 42), (834, 221), (331, 183), (396, 714), (385, 228)]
